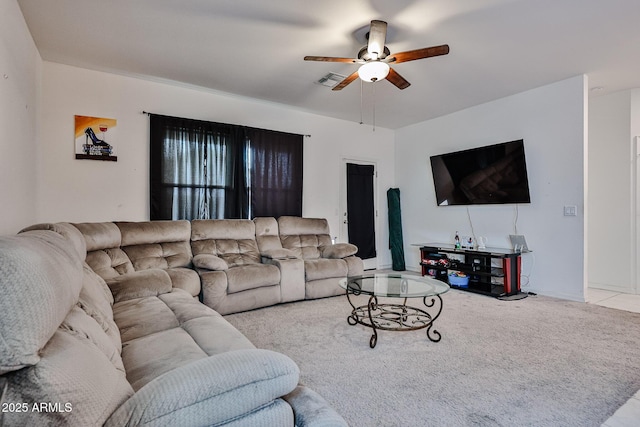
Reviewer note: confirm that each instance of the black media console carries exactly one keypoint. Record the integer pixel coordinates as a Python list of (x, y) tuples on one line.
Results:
[(491, 271)]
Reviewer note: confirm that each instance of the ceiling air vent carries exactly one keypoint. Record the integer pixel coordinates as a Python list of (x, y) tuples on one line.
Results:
[(331, 79)]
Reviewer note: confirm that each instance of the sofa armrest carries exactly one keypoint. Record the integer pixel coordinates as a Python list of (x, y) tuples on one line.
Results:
[(338, 250), (311, 410), (210, 262), (210, 391), (278, 253), (138, 284)]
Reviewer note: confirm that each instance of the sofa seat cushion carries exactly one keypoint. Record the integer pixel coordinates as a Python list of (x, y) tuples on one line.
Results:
[(252, 276), (152, 355), (140, 317), (322, 268), (143, 316), (164, 332)]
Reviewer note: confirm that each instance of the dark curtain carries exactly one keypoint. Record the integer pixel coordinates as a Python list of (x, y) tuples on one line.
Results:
[(276, 173), (360, 209), (396, 242), (201, 170), (196, 169)]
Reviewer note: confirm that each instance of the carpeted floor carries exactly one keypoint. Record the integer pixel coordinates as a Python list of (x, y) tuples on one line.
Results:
[(534, 362)]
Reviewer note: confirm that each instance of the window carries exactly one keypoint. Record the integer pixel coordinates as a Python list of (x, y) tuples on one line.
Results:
[(202, 170)]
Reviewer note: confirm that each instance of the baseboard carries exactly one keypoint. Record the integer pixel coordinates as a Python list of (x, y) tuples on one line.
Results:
[(612, 288)]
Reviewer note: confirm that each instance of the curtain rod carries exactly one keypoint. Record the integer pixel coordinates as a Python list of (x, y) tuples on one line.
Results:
[(148, 114)]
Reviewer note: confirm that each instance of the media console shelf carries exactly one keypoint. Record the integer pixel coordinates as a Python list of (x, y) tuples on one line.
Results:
[(491, 271)]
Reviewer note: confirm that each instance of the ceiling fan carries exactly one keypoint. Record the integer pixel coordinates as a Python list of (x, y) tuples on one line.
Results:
[(376, 57)]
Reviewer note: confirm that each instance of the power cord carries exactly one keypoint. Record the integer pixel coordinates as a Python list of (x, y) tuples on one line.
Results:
[(473, 233), (527, 276)]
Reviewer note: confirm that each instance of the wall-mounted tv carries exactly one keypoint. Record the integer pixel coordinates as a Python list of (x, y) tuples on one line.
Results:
[(485, 175)]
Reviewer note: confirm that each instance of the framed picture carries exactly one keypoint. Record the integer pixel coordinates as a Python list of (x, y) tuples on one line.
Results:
[(94, 138)]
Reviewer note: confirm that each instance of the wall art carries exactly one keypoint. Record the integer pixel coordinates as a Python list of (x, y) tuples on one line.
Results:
[(94, 138)]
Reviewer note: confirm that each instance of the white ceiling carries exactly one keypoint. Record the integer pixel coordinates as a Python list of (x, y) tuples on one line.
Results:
[(256, 48)]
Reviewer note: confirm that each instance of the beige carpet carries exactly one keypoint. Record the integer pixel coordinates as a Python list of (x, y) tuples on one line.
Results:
[(534, 362)]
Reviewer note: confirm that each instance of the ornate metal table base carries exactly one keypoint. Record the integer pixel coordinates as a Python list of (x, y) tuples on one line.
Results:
[(396, 317)]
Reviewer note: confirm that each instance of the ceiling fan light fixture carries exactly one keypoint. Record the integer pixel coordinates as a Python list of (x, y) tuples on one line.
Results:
[(373, 71)]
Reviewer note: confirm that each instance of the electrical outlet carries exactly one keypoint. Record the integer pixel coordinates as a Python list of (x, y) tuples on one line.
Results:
[(570, 210)]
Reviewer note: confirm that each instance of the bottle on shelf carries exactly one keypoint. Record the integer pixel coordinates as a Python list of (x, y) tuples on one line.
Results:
[(457, 241)]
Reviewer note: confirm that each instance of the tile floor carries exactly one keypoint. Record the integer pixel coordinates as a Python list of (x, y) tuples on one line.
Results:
[(628, 302), (629, 414)]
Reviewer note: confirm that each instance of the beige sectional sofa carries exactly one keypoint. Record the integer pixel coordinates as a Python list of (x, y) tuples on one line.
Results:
[(101, 322)]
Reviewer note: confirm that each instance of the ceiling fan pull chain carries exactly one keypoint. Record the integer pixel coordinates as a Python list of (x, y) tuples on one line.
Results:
[(374, 106), (361, 121)]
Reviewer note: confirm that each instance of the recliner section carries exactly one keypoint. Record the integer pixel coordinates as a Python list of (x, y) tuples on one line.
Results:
[(324, 263), (227, 258)]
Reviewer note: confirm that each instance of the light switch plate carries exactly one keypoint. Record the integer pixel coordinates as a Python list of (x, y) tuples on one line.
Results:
[(570, 210)]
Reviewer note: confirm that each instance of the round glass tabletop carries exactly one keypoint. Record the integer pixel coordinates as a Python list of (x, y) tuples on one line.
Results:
[(394, 285)]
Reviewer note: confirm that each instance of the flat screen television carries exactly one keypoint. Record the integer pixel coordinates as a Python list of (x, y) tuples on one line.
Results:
[(486, 175)]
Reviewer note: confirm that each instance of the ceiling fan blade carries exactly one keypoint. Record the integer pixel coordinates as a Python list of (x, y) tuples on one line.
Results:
[(346, 81), (377, 36), (397, 80), (411, 55), (329, 59)]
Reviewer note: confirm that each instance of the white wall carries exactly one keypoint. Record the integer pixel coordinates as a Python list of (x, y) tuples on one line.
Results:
[(611, 257), (20, 67), (86, 190), (552, 122)]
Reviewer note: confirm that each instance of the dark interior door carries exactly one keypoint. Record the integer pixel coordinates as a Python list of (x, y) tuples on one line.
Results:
[(360, 209)]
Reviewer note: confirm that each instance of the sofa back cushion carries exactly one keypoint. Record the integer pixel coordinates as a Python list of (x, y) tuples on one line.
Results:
[(304, 236), (41, 275), (267, 236), (233, 240), (156, 244), (104, 255), (66, 230)]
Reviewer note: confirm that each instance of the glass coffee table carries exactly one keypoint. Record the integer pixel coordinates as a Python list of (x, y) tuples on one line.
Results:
[(400, 316)]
